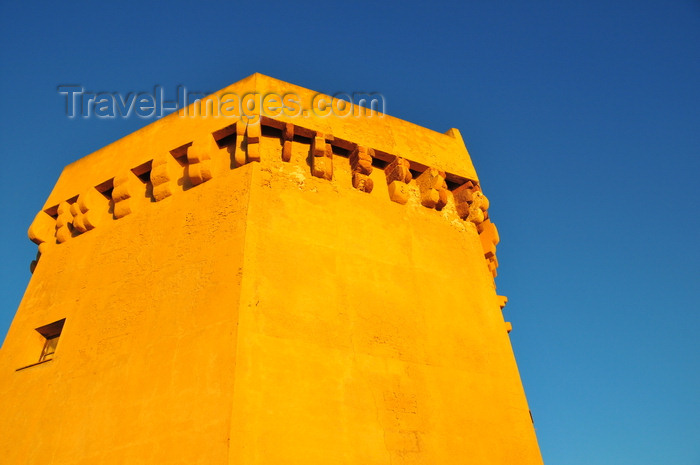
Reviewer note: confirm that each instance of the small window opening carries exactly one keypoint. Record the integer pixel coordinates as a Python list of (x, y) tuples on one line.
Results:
[(51, 333)]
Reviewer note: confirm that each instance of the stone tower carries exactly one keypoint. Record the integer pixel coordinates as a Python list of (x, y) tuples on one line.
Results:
[(269, 289)]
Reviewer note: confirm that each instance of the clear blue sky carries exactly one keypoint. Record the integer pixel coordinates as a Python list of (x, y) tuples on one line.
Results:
[(582, 118)]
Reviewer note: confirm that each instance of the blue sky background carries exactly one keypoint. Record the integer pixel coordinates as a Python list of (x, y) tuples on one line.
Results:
[(583, 121)]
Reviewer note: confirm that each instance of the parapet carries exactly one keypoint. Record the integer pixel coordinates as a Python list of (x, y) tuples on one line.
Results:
[(188, 148)]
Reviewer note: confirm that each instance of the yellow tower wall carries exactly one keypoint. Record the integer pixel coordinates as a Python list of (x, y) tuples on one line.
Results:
[(370, 332), (232, 295), (145, 365)]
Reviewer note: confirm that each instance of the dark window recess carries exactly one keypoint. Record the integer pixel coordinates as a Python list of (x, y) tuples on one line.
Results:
[(51, 333), (143, 172)]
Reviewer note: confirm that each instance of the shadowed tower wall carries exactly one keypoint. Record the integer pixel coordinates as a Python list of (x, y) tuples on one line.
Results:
[(281, 290)]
